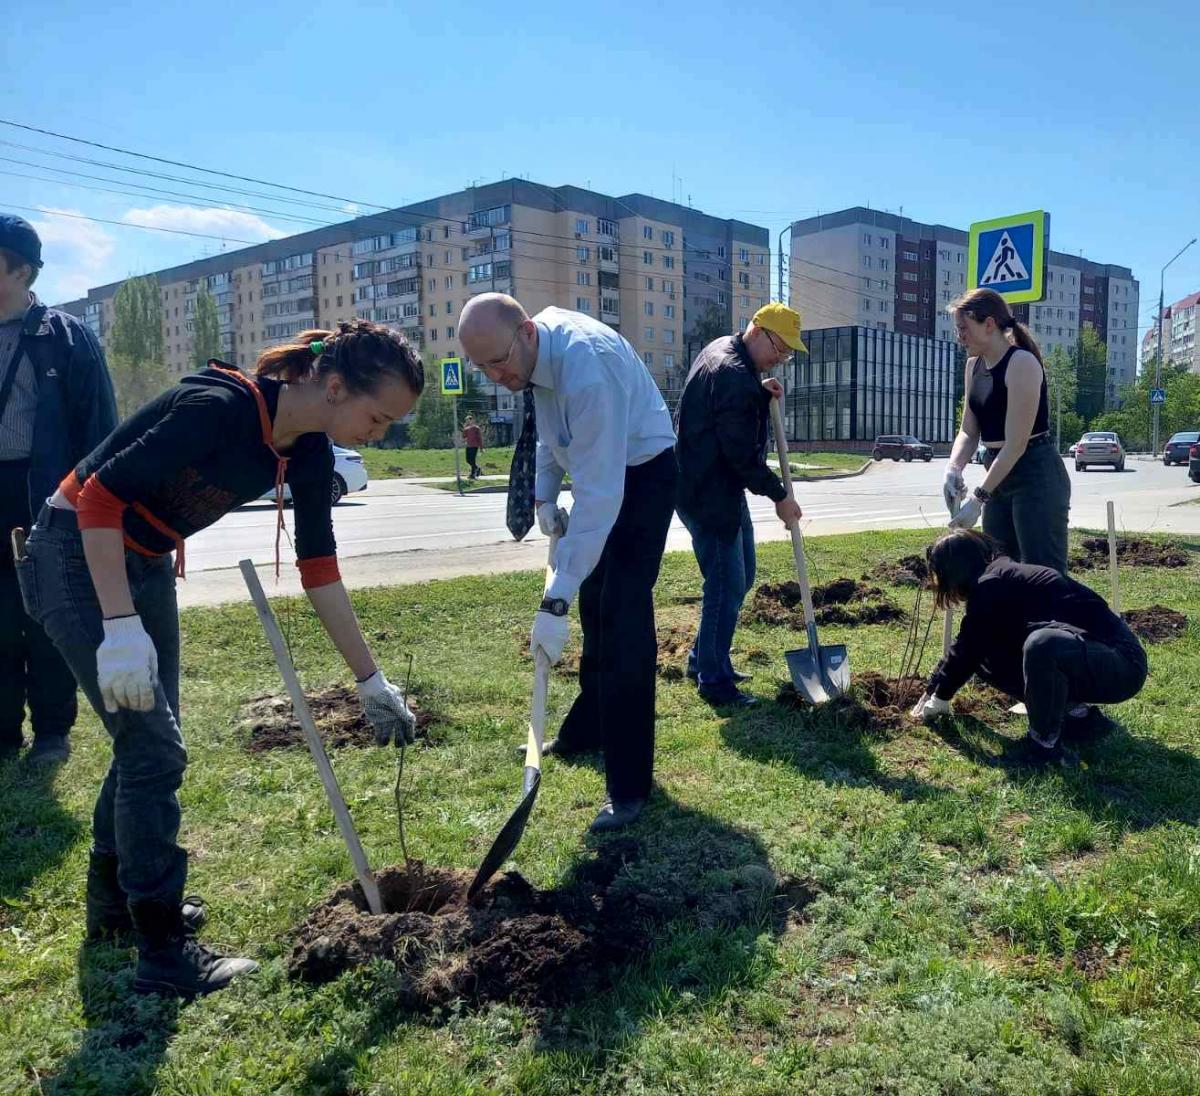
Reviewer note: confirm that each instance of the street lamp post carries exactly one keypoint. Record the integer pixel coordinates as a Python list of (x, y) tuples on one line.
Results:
[(1161, 339)]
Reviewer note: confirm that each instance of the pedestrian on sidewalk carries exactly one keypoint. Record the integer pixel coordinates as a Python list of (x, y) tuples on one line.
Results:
[(98, 575), (1026, 492), (722, 454), (56, 406), (473, 440), (600, 417), (1036, 635)]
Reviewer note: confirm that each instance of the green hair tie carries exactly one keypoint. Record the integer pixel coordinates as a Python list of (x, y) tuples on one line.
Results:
[(317, 346)]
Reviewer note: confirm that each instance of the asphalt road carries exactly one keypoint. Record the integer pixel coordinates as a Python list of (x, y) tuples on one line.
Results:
[(397, 531)]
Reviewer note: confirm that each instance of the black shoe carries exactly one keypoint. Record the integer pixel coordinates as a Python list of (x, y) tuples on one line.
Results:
[(1091, 726), (738, 676), (1030, 753), (49, 749), (617, 815), (172, 962), (728, 698), (108, 910)]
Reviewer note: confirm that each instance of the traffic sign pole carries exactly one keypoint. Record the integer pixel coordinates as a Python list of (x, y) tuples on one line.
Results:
[(457, 466)]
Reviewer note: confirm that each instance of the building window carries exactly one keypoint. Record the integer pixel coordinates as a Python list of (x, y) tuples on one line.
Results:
[(649, 285), (744, 254), (647, 232), (866, 304), (648, 358), (648, 308), (433, 334), (605, 227), (668, 238), (583, 254), (647, 258), (909, 276), (583, 304), (449, 308), (909, 297), (908, 317), (720, 251), (885, 264), (581, 226), (911, 256), (669, 262), (583, 277), (449, 281), (668, 286), (867, 239), (884, 242), (668, 361), (867, 261), (669, 311), (649, 333), (669, 336)]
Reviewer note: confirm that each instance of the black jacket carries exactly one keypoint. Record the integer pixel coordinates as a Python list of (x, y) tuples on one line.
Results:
[(76, 409), (722, 432), (1010, 602)]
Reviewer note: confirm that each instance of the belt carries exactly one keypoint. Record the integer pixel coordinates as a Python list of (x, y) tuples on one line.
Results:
[(1037, 439), (54, 517)]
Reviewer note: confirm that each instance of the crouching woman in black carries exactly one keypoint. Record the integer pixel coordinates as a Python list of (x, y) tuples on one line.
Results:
[(1036, 635)]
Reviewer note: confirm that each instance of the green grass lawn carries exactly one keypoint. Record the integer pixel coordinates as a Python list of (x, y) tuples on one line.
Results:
[(975, 928), (810, 466), (408, 463), (471, 486)]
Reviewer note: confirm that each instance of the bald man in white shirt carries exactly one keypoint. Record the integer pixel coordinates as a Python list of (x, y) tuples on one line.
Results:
[(601, 418)]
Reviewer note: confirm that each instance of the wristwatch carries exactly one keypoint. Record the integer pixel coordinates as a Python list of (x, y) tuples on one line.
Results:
[(555, 606), (982, 495)]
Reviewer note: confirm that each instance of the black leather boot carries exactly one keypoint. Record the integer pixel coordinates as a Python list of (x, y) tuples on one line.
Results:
[(108, 911), (173, 962)]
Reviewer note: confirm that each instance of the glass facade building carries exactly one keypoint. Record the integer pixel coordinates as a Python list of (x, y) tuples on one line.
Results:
[(858, 382)]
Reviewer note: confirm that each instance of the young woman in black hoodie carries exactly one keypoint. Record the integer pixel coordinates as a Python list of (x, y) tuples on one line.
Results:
[(1033, 633), (98, 575)]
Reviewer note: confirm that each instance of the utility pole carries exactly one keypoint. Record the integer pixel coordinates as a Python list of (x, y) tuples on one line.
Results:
[(783, 296), (1161, 340)]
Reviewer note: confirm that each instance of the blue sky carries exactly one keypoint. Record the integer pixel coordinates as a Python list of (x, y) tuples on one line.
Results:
[(766, 112)]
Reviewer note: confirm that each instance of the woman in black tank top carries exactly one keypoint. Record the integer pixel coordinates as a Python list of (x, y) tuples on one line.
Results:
[(1025, 494)]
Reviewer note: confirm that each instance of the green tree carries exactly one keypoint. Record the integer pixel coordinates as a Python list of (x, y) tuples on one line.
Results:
[(136, 357), (206, 329), (711, 324), (1091, 373), (432, 426)]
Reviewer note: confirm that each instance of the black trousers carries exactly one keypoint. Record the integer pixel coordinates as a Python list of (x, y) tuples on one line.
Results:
[(472, 453), (615, 706), (32, 672), (1062, 666)]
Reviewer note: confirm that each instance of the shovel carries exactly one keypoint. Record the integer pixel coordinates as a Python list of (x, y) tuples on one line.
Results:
[(948, 623), (818, 673), (510, 835)]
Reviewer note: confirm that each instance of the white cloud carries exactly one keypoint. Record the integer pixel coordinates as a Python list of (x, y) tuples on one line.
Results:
[(231, 223), (76, 254)]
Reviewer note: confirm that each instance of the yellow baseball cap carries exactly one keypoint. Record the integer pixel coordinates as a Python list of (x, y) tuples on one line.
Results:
[(780, 320)]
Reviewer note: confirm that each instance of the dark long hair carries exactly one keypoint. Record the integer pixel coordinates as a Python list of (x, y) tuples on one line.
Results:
[(956, 560), (362, 353), (979, 304)]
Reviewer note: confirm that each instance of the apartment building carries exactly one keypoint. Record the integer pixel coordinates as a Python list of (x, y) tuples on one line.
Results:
[(647, 267), (864, 267), (1179, 327)]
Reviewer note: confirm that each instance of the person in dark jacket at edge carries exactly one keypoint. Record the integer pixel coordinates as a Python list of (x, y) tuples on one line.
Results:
[(722, 443), (56, 405), (1036, 635), (98, 574)]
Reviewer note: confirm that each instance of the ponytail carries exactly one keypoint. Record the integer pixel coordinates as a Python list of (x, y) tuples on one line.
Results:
[(1021, 336), (362, 353)]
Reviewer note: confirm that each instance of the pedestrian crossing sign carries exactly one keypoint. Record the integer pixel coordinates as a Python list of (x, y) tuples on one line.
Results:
[(1008, 254), (452, 378)]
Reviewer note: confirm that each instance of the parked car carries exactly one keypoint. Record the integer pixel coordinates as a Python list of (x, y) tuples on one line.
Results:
[(1100, 447), (1071, 452), (901, 447), (349, 475), (1194, 463), (1179, 447)]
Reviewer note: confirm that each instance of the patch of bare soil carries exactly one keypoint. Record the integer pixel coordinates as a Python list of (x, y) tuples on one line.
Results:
[(842, 601), (1157, 624), (1131, 552)]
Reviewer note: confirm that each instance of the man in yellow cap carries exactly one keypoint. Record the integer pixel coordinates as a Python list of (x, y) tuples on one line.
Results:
[(722, 453)]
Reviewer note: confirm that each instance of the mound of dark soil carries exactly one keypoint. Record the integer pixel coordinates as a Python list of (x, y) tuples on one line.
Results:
[(906, 571), (842, 601), (1131, 552), (1157, 624)]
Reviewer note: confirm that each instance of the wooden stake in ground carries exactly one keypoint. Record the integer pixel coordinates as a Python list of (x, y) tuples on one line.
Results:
[(300, 706), (1112, 560)]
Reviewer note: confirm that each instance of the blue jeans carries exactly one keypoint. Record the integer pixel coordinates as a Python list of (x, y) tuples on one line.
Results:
[(137, 812), (728, 566)]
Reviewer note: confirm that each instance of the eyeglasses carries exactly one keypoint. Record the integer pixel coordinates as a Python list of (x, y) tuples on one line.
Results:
[(485, 366), (781, 348)]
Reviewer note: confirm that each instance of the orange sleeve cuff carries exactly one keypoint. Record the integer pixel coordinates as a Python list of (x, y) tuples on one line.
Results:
[(70, 487), (318, 572), (98, 507)]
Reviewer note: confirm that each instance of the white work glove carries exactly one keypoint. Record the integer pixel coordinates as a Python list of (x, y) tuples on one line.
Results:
[(383, 704), (127, 665), (954, 489), (929, 708), (552, 519), (550, 634), (968, 514)]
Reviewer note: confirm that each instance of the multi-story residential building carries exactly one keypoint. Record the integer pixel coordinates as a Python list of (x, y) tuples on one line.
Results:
[(866, 267), (648, 267), (1178, 323)]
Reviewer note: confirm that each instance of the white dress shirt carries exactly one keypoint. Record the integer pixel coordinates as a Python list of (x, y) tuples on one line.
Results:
[(598, 413)]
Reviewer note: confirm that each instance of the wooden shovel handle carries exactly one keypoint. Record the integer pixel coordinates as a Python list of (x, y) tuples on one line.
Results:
[(785, 471)]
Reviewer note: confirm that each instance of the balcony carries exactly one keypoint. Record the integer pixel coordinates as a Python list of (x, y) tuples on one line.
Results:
[(610, 315)]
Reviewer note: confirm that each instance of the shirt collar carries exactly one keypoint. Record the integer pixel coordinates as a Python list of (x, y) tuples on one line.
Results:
[(542, 375)]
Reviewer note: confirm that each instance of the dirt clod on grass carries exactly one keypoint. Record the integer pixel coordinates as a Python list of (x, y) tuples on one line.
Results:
[(906, 571), (1131, 552), (1157, 624), (516, 943), (271, 725), (842, 601), (877, 702)]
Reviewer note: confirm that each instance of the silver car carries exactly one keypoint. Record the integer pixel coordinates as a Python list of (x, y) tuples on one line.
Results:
[(1099, 447)]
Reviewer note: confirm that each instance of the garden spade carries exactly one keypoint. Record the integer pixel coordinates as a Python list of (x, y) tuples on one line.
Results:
[(510, 835), (818, 673)]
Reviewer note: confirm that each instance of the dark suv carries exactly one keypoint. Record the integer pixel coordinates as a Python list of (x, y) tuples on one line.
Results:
[(901, 447), (1177, 449), (1194, 464)]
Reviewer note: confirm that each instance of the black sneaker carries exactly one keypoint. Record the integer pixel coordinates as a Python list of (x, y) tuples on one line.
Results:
[(617, 815), (1090, 726), (728, 698), (175, 963), (1030, 753), (738, 676), (49, 749)]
